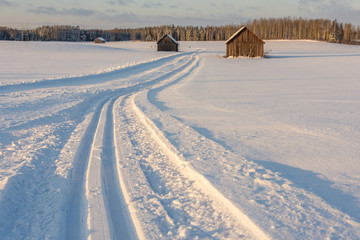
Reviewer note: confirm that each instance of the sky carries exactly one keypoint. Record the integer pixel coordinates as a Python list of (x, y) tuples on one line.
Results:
[(108, 14)]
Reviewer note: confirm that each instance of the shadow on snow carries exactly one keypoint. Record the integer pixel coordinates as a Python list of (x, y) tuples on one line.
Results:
[(323, 188), (313, 56)]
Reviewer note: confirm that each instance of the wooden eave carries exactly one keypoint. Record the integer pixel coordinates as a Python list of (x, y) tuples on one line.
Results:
[(238, 33), (172, 39)]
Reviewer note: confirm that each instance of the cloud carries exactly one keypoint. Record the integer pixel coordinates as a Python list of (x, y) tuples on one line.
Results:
[(213, 4), (70, 11), (78, 11), (311, 1), (124, 19), (253, 8), (321, 5), (45, 10), (198, 21), (134, 20), (124, 2), (193, 10), (152, 5), (110, 2), (8, 4), (331, 9), (111, 11)]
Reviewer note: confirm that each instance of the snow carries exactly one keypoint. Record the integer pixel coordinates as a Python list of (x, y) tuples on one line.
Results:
[(118, 140), (36, 61), (173, 39)]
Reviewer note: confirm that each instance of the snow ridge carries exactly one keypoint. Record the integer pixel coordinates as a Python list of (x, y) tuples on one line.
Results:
[(283, 205), (105, 209), (161, 184), (100, 77), (97, 223), (187, 170)]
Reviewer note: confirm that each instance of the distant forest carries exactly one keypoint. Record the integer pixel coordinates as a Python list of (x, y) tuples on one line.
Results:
[(265, 28)]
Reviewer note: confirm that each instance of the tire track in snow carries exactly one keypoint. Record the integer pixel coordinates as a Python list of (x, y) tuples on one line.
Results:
[(220, 201), (119, 216), (107, 216), (75, 220), (141, 79), (97, 221), (178, 201), (276, 203), (101, 215), (99, 78)]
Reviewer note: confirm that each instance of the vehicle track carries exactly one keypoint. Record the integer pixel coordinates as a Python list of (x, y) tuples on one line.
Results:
[(115, 201), (97, 208), (251, 186), (92, 79), (75, 220), (172, 194), (181, 201), (189, 172)]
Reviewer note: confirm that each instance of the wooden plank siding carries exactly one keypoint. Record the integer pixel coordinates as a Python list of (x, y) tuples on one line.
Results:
[(244, 43), (167, 43)]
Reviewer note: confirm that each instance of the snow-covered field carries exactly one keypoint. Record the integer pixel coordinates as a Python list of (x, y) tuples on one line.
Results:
[(118, 141)]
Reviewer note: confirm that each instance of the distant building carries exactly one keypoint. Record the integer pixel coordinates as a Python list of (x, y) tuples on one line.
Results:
[(167, 43), (244, 43), (99, 40)]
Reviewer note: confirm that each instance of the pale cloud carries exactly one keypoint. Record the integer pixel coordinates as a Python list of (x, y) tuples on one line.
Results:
[(124, 2), (330, 9), (8, 3), (152, 5), (199, 21), (44, 10), (110, 2), (323, 4), (78, 11), (140, 13), (123, 19), (135, 20), (70, 11), (111, 11)]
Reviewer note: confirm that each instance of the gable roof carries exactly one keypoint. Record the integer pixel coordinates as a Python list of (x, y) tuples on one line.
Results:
[(100, 38), (238, 33), (172, 39)]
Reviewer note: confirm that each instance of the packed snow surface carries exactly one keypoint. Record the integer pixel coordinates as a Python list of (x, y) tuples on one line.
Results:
[(118, 141)]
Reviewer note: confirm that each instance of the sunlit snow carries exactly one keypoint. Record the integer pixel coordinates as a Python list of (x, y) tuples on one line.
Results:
[(120, 141)]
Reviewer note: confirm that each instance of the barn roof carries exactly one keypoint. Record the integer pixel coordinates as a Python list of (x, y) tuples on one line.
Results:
[(172, 39), (101, 39), (238, 33)]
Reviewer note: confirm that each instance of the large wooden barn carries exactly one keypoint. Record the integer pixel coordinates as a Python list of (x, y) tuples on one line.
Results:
[(244, 43), (167, 43)]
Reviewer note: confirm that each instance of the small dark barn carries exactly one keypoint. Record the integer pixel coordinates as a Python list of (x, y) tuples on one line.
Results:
[(244, 43), (167, 43), (99, 40)]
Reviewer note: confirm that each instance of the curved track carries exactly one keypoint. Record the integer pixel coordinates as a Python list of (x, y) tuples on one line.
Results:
[(97, 207), (179, 200), (114, 165)]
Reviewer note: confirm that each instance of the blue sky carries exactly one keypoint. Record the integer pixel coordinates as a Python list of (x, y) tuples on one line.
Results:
[(137, 13)]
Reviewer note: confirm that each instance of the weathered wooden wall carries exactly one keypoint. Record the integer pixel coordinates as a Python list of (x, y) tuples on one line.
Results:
[(167, 44), (246, 44)]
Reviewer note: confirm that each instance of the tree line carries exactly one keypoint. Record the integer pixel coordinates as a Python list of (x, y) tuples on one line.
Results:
[(265, 28)]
